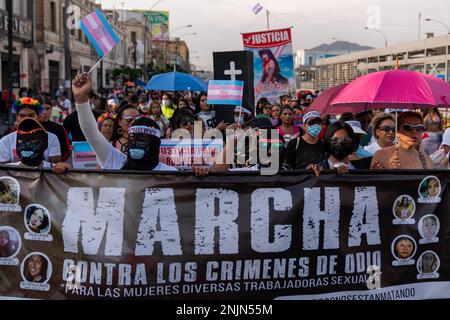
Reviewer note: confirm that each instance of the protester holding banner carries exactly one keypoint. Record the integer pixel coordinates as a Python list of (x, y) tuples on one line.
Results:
[(125, 117), (27, 108), (32, 141), (340, 142), (143, 141), (405, 155), (308, 149)]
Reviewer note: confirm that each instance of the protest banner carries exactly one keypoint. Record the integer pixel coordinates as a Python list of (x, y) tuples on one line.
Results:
[(83, 157), (111, 235), (184, 155), (273, 63)]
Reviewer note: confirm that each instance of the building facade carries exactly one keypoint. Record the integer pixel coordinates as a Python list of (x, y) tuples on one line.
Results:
[(22, 43), (430, 56)]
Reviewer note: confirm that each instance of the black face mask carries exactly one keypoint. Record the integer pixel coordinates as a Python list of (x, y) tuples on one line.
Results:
[(31, 147), (143, 152), (341, 148)]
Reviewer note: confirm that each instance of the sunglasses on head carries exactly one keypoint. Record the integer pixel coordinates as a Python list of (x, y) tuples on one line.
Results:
[(387, 129), (411, 127)]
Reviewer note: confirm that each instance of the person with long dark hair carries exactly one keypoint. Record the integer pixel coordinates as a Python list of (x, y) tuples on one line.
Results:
[(36, 267), (271, 69)]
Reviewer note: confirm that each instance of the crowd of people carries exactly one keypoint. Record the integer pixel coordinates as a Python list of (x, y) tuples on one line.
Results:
[(125, 128)]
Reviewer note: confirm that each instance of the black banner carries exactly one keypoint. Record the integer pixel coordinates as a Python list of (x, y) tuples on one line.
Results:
[(91, 235), (235, 65)]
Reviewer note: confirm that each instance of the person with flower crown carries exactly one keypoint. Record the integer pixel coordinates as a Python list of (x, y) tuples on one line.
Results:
[(25, 108)]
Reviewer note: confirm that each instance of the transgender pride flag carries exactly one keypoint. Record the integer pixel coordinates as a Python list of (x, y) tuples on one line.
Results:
[(99, 32), (226, 92)]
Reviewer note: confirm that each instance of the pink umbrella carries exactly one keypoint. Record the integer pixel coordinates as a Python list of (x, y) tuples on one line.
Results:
[(322, 103), (395, 88)]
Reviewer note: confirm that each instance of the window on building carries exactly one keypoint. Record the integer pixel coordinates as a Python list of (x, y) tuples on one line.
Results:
[(133, 37), (310, 61), (53, 16)]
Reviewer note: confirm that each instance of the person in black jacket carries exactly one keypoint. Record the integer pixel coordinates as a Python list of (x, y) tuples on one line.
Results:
[(55, 128)]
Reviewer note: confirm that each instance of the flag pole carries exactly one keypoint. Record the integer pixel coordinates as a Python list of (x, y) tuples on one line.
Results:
[(95, 65)]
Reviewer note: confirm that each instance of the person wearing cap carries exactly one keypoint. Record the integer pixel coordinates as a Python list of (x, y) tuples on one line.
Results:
[(405, 154), (27, 108), (361, 158), (143, 143), (308, 149), (241, 115)]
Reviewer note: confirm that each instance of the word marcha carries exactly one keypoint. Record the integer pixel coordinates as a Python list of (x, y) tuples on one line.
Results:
[(217, 210)]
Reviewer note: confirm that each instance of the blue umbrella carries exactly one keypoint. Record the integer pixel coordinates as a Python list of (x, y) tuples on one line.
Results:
[(140, 83), (176, 81)]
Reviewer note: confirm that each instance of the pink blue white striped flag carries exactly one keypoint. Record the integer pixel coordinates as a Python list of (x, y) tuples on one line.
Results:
[(99, 32), (257, 9), (226, 92)]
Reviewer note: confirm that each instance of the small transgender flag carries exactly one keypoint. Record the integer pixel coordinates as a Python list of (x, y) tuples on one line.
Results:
[(99, 32), (226, 92), (257, 9)]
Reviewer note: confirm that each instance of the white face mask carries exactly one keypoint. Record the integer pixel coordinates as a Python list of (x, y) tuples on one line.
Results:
[(166, 103)]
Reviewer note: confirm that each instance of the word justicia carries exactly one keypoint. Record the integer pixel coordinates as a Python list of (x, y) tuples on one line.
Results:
[(252, 146)]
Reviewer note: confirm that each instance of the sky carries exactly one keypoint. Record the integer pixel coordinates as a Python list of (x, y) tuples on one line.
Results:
[(219, 23)]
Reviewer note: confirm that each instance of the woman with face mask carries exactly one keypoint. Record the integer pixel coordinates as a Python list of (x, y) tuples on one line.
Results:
[(340, 142), (167, 107), (241, 115), (144, 137), (308, 149)]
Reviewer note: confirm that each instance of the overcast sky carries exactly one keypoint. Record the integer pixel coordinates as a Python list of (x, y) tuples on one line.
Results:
[(219, 23)]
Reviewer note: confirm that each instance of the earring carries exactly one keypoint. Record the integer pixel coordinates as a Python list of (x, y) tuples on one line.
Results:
[(120, 131)]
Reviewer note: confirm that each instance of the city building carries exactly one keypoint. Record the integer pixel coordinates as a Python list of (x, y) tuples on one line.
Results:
[(429, 55), (306, 60), (172, 52), (22, 43)]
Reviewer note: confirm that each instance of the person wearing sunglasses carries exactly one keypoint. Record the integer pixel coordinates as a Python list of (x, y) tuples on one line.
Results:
[(405, 155), (383, 128), (143, 143), (125, 117), (307, 149)]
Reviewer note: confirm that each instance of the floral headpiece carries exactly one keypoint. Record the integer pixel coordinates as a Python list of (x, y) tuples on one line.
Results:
[(27, 102), (106, 116)]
